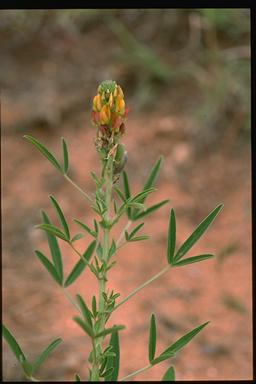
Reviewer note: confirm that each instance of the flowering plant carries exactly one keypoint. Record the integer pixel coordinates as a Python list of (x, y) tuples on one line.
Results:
[(110, 203)]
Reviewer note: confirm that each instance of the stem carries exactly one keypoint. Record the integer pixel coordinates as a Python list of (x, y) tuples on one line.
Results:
[(136, 372), (70, 299), (163, 271), (79, 254), (78, 188)]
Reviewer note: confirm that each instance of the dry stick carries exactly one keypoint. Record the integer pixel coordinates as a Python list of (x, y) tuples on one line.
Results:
[(163, 271)]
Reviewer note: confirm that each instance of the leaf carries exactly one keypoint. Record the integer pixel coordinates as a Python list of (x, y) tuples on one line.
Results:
[(149, 210), (169, 375), (107, 372), (112, 250), (94, 306), (80, 265), (77, 377), (141, 195), (127, 192), (77, 237), (44, 355), (179, 344), (135, 230), (65, 156), (84, 226), (120, 194), (54, 248), (107, 331), (44, 151), (153, 174), (113, 361), (61, 217), (171, 237), (193, 259), (13, 344), (85, 310), (152, 338), (202, 227), (85, 327), (53, 231), (49, 266), (139, 238)]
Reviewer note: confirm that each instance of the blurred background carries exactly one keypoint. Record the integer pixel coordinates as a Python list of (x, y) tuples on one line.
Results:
[(186, 78)]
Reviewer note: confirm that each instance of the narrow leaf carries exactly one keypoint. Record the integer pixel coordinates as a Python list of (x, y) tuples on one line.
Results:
[(202, 227), (65, 156), (153, 174), (179, 344), (107, 372), (171, 237), (44, 355), (53, 231), (77, 237), (61, 217), (54, 248), (94, 306), (107, 331), (80, 265), (149, 210), (193, 259), (85, 310), (13, 344), (127, 192), (135, 230), (49, 266), (152, 338), (169, 375), (140, 197), (120, 194), (77, 377), (112, 249), (44, 151), (113, 361), (84, 226), (86, 328), (140, 238)]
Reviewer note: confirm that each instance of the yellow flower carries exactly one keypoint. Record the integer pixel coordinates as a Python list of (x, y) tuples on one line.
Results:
[(120, 105), (105, 114), (97, 103)]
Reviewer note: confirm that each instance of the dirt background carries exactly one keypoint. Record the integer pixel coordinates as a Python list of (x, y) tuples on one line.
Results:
[(52, 63)]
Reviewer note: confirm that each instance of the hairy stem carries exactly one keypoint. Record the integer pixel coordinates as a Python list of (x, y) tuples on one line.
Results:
[(137, 372), (153, 278)]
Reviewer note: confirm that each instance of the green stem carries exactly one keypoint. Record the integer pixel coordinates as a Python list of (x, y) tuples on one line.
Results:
[(78, 188), (137, 372), (163, 271)]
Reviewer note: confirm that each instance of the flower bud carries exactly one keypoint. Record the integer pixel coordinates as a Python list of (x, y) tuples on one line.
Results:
[(97, 103), (105, 114)]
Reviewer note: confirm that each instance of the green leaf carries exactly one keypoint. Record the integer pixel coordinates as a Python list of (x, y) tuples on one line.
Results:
[(77, 377), (53, 231), (139, 238), (77, 237), (135, 230), (113, 361), (202, 227), (44, 151), (65, 156), (141, 195), (85, 327), (80, 265), (107, 372), (44, 355), (84, 226), (13, 344), (61, 217), (54, 248), (120, 194), (149, 210), (94, 306), (49, 266), (153, 175), (107, 331), (171, 237), (179, 344), (112, 250), (85, 310), (127, 192), (193, 259), (152, 338), (27, 367), (169, 375)]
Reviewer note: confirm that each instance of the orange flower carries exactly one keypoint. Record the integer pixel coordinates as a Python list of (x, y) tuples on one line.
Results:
[(120, 105), (105, 114), (97, 103)]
